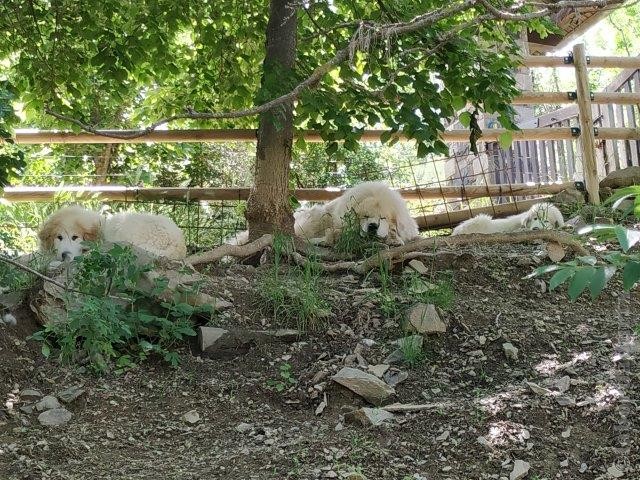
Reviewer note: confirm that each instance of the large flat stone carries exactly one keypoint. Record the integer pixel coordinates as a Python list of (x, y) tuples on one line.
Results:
[(368, 386)]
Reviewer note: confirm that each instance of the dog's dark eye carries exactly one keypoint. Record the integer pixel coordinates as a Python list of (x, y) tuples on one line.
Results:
[(74, 238), (59, 237)]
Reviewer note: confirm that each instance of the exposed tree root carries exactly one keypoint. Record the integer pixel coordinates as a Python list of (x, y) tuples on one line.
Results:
[(230, 251), (331, 262)]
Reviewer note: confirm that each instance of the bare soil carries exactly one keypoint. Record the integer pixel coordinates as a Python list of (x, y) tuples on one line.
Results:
[(483, 416)]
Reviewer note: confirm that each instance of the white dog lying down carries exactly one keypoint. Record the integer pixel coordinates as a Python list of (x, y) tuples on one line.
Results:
[(66, 229), (381, 212), (541, 216)]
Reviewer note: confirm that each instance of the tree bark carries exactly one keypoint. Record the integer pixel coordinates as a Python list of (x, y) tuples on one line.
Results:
[(268, 208), (102, 163)]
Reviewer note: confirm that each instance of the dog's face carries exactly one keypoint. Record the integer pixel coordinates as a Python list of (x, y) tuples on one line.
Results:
[(68, 244), (542, 216), (64, 231), (373, 223), (374, 226)]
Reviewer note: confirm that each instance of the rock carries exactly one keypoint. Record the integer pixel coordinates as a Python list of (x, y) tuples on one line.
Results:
[(70, 394), (29, 394), (369, 387), (555, 251), (369, 417), (443, 436), (55, 417), (8, 319), (418, 266), (603, 221), (576, 222), (583, 467), (355, 476), (568, 196), (47, 403), (537, 389), (564, 463), (216, 341), (520, 470), (379, 370), (394, 376), (566, 401), (322, 405), (563, 384), (510, 351), (244, 427), (424, 318), (395, 358), (566, 433), (192, 416), (615, 472), (625, 177)]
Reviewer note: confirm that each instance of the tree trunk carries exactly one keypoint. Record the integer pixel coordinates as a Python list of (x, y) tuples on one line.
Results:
[(102, 163), (268, 208)]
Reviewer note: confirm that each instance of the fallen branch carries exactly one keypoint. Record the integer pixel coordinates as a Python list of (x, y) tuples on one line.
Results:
[(230, 251), (408, 407)]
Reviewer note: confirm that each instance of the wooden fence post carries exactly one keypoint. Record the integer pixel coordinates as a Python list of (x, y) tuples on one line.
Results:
[(587, 136)]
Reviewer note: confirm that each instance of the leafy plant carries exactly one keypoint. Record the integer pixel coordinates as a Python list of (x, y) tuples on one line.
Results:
[(632, 194), (113, 320), (595, 272), (285, 380)]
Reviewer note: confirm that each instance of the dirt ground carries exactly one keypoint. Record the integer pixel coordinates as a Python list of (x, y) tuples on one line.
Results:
[(482, 415)]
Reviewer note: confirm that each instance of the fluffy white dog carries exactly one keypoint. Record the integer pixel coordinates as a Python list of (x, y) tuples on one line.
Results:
[(65, 230), (541, 216), (381, 212)]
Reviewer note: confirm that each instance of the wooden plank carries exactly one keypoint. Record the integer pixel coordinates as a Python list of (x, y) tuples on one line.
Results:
[(553, 166), (535, 61), (544, 167), (122, 193), (587, 138), (558, 98)]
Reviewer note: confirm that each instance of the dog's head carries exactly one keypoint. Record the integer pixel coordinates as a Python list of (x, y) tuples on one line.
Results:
[(374, 220), (64, 231), (542, 216)]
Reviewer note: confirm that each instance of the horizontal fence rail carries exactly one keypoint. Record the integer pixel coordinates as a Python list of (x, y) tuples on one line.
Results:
[(249, 135), (121, 193), (536, 61)]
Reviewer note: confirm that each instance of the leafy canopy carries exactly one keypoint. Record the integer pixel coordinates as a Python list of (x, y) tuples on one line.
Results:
[(123, 62)]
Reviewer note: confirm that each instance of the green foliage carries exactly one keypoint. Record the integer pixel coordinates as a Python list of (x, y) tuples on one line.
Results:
[(285, 380), (12, 161), (115, 321), (143, 60), (411, 349), (295, 293), (632, 195), (595, 272)]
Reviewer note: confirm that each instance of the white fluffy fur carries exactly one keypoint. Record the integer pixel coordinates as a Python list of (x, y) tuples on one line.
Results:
[(65, 230), (541, 216), (382, 213)]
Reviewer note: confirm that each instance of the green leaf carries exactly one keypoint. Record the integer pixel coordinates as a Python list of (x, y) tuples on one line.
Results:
[(458, 102), (580, 280), (627, 237), (631, 274), (46, 350), (597, 283), (505, 140), (560, 277), (465, 119)]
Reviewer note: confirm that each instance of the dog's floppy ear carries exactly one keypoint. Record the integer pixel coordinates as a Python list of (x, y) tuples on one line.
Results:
[(47, 233), (90, 229)]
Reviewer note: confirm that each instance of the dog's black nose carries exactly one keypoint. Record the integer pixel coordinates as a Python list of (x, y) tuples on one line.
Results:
[(372, 228), (66, 255)]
